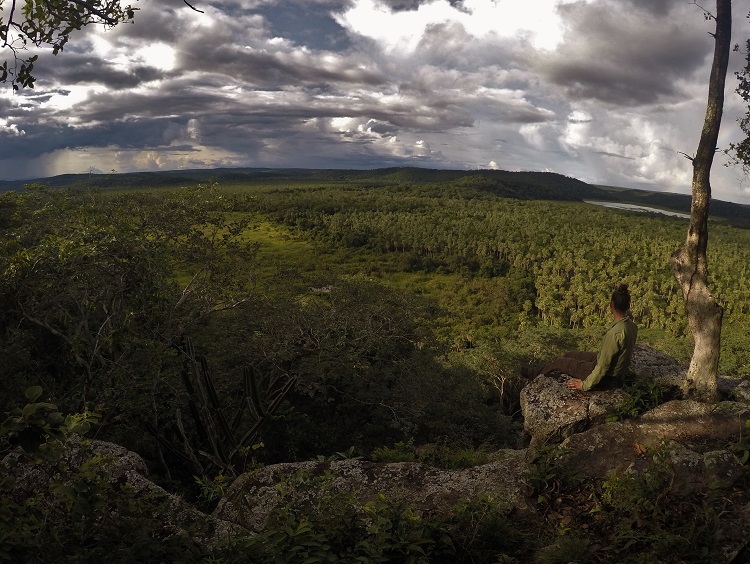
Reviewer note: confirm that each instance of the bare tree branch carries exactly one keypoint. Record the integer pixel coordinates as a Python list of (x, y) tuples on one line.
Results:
[(189, 5)]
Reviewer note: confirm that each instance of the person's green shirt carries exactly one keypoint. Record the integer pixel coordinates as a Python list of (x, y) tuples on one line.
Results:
[(614, 357)]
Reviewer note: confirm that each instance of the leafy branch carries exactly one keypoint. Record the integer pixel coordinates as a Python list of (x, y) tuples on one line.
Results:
[(50, 23)]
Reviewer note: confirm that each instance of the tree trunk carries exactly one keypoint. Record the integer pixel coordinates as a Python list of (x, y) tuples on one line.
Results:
[(689, 263)]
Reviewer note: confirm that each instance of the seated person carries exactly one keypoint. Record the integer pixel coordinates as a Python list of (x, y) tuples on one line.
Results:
[(606, 369)]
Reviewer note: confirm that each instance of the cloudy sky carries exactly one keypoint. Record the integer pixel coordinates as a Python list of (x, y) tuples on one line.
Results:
[(608, 91)]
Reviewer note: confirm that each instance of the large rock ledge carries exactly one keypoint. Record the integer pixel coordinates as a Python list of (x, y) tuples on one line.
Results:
[(121, 466), (553, 412), (619, 446), (252, 497)]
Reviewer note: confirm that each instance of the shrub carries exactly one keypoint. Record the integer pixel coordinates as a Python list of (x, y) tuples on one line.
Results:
[(648, 521), (315, 521), (548, 479), (642, 396), (481, 531), (401, 452)]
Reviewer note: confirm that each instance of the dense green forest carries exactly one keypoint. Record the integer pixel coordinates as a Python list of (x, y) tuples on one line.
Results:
[(355, 285), (356, 312)]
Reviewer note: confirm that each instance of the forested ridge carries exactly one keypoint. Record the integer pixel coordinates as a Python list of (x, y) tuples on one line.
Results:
[(525, 185), (333, 315)]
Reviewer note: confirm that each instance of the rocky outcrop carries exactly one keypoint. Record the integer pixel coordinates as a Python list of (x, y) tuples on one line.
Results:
[(253, 496), (696, 472), (622, 445), (650, 363), (733, 536), (653, 364), (118, 467), (552, 412)]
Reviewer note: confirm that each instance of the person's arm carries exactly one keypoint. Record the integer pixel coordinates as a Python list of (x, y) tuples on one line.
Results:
[(610, 347)]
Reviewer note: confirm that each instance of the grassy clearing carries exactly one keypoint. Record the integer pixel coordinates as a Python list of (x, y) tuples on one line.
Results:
[(277, 249)]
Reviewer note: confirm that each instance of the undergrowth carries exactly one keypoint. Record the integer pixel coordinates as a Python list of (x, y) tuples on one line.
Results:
[(650, 520), (441, 456), (642, 395), (54, 509), (317, 521), (75, 512)]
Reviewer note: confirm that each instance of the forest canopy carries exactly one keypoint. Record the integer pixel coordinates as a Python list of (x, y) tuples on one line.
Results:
[(361, 293)]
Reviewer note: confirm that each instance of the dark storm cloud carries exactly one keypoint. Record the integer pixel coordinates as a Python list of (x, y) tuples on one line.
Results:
[(267, 68), (169, 100), (504, 105), (449, 45), (154, 25), (382, 127), (613, 155), (85, 69), (276, 69), (656, 7), (134, 134), (404, 5), (411, 5), (624, 57)]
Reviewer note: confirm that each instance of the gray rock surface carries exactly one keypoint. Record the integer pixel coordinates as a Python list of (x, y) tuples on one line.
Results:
[(734, 389), (552, 412), (733, 536), (615, 447), (253, 496), (120, 466), (650, 363), (696, 472)]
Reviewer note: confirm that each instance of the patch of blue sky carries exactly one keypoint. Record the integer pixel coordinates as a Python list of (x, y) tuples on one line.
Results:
[(305, 24)]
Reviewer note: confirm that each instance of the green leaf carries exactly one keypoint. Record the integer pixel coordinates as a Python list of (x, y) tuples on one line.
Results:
[(11, 425), (33, 393), (65, 491)]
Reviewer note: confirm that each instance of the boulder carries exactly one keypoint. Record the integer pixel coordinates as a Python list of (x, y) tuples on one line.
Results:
[(253, 496), (734, 389), (615, 447), (118, 466), (696, 472), (732, 536), (652, 364), (552, 412)]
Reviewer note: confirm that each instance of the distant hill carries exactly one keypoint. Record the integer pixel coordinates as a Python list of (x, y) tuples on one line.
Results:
[(520, 185)]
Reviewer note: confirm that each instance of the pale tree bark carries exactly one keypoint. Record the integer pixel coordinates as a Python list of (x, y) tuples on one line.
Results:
[(689, 263)]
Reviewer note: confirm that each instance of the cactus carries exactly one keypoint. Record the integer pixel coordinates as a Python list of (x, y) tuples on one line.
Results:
[(223, 448)]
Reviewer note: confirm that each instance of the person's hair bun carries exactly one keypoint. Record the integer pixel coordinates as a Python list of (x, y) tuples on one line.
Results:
[(621, 298)]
